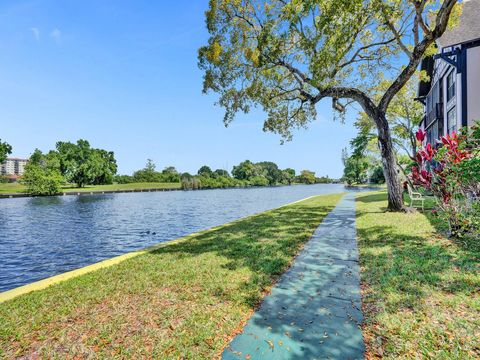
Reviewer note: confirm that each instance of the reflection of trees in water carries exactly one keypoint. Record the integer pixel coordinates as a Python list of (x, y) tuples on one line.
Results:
[(45, 200)]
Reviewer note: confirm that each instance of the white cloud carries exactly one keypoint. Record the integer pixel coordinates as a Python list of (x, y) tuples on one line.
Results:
[(56, 35), (36, 33)]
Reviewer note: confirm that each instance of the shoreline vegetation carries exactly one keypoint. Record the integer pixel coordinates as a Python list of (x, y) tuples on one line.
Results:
[(77, 167), (16, 188), (186, 298), (19, 190)]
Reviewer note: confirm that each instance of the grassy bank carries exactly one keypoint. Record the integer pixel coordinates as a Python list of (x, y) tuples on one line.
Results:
[(420, 290), (185, 299), (19, 188)]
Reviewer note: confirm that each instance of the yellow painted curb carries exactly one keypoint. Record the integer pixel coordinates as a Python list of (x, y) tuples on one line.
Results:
[(42, 284)]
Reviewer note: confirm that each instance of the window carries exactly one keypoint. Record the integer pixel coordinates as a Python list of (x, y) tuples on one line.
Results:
[(433, 133), (451, 85), (432, 101), (452, 120)]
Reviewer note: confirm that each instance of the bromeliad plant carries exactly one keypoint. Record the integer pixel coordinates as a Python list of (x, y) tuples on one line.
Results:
[(451, 172)]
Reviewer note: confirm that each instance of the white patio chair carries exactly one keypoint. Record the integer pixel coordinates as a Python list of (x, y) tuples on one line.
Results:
[(415, 197)]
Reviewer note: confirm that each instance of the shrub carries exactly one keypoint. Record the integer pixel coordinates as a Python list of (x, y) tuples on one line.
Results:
[(41, 181), (190, 183), (124, 179), (377, 176), (258, 181), (452, 174)]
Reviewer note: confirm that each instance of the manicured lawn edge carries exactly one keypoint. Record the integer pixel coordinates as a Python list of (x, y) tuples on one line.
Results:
[(419, 289), (18, 190), (44, 283), (185, 298)]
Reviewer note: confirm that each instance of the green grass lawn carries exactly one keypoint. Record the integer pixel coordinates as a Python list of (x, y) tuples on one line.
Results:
[(11, 188), (132, 186), (18, 188), (184, 300), (421, 291)]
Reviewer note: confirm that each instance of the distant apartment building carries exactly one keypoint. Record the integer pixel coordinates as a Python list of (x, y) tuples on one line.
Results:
[(452, 95), (13, 167)]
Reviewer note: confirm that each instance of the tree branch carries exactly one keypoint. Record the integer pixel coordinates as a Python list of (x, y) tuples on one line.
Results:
[(398, 37), (366, 47), (441, 23)]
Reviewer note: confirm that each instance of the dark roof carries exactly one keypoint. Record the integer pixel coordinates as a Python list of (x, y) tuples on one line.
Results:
[(468, 27)]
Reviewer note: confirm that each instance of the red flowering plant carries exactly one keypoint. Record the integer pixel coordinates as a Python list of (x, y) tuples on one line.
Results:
[(451, 173)]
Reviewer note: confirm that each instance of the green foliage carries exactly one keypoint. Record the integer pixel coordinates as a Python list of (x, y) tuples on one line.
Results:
[(257, 173), (365, 162), (205, 171), (190, 182), (245, 174), (245, 170), (355, 170), (377, 176), (5, 150), (170, 174), (104, 166), (323, 180), (306, 177), (42, 175), (149, 174), (259, 181), (83, 165), (271, 172), (286, 56), (221, 173), (288, 176), (123, 179)]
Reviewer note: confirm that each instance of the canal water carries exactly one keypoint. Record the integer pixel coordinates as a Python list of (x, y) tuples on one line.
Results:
[(45, 236)]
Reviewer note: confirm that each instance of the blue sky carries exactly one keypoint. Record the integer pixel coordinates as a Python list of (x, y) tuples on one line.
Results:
[(123, 75)]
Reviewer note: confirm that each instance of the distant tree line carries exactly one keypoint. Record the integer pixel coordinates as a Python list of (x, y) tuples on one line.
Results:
[(150, 174), (80, 164), (247, 173)]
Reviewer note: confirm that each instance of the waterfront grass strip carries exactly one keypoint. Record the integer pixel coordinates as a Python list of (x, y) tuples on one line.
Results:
[(184, 299), (420, 290), (16, 188)]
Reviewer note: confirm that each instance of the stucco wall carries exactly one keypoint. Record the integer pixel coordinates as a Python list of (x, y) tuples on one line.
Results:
[(473, 84)]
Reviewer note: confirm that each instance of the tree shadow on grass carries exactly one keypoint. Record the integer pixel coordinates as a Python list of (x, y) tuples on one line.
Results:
[(409, 271), (266, 244), (410, 266)]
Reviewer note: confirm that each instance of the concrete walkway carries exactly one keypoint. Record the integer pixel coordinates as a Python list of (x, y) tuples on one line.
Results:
[(314, 312)]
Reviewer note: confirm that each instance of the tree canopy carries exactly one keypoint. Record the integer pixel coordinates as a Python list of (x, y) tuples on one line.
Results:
[(288, 56), (5, 150), (81, 164), (205, 171), (307, 177)]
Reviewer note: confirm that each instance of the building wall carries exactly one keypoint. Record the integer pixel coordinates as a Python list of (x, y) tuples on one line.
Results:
[(13, 167), (473, 84)]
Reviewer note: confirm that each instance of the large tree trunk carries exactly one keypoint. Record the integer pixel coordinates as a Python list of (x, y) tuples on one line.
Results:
[(389, 162)]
